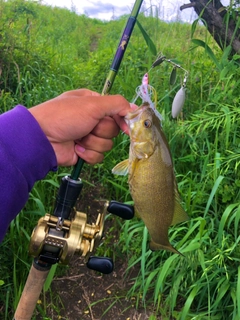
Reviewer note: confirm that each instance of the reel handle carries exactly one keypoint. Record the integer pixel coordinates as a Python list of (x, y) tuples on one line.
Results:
[(100, 264), (121, 210)]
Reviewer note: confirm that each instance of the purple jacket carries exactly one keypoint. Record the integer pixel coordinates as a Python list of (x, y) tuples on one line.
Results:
[(25, 157)]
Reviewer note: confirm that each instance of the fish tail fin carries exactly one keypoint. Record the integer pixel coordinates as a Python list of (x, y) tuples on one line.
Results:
[(155, 246)]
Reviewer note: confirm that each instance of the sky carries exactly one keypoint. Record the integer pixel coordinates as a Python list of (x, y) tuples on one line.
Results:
[(109, 9)]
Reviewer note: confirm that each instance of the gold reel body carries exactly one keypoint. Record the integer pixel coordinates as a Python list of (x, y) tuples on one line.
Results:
[(71, 237)]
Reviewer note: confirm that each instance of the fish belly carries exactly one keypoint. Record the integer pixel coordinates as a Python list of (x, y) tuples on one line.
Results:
[(152, 190)]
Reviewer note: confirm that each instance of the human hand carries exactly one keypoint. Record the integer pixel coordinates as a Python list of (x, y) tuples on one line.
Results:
[(81, 123)]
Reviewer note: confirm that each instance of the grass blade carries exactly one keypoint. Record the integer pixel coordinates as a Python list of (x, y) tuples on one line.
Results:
[(188, 303), (224, 220), (50, 277), (238, 293), (208, 50), (163, 272), (212, 194), (148, 40)]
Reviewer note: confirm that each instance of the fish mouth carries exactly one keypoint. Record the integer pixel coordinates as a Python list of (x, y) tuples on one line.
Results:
[(134, 140), (137, 112)]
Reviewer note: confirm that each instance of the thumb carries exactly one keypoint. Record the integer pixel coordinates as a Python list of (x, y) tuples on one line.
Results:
[(110, 106)]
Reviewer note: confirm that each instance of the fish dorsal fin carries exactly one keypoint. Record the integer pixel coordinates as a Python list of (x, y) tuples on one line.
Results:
[(121, 168)]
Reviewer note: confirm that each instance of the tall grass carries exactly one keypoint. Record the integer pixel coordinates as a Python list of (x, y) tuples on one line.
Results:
[(205, 145), (38, 65)]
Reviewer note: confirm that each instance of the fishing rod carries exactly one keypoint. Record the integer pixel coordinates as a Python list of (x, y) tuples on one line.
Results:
[(57, 237), (115, 66)]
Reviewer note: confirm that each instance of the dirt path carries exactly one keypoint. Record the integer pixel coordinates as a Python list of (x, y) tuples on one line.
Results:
[(83, 294)]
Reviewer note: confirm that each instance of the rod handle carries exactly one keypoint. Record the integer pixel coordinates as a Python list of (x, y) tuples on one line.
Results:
[(31, 292)]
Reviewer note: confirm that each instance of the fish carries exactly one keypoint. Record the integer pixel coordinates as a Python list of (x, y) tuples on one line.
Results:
[(151, 177)]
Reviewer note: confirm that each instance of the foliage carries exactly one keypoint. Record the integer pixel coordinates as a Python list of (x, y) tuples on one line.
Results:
[(41, 58)]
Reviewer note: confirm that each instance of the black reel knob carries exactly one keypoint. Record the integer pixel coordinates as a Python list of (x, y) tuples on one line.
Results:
[(121, 210), (103, 264), (100, 264)]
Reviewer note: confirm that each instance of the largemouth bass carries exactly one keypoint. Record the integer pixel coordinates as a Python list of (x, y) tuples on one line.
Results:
[(151, 177)]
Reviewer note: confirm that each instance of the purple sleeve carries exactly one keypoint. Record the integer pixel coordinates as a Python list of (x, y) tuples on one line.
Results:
[(25, 157)]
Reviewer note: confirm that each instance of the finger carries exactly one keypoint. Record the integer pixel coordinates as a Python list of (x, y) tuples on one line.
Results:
[(65, 153), (90, 156), (121, 123), (92, 142), (80, 92), (84, 114), (121, 106), (102, 106), (106, 128)]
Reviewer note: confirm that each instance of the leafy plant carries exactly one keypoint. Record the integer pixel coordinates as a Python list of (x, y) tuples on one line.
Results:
[(41, 59)]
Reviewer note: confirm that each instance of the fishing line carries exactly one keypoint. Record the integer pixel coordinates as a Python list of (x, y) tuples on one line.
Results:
[(148, 94)]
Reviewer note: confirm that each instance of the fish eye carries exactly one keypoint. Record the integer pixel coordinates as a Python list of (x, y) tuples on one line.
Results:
[(147, 123)]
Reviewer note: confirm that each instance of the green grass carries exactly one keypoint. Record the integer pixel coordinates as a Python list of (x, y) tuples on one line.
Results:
[(37, 65)]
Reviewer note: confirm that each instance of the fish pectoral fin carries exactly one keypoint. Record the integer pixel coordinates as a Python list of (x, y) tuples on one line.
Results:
[(136, 213), (179, 213), (121, 168)]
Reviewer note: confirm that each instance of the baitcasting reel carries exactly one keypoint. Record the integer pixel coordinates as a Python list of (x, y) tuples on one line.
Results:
[(56, 239), (63, 241)]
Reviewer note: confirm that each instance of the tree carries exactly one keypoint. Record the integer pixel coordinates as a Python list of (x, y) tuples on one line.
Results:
[(222, 22)]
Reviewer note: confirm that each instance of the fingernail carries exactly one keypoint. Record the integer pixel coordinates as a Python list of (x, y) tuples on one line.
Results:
[(133, 106), (80, 148)]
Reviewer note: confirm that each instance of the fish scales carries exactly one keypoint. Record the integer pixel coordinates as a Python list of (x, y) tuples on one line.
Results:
[(150, 196), (151, 177)]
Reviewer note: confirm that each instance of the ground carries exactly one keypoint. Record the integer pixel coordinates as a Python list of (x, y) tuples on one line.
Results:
[(83, 294)]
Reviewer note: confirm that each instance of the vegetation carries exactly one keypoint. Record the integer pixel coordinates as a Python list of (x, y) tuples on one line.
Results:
[(41, 58), (222, 22)]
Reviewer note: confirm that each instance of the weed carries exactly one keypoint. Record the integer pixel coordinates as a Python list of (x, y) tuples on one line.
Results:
[(42, 59)]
